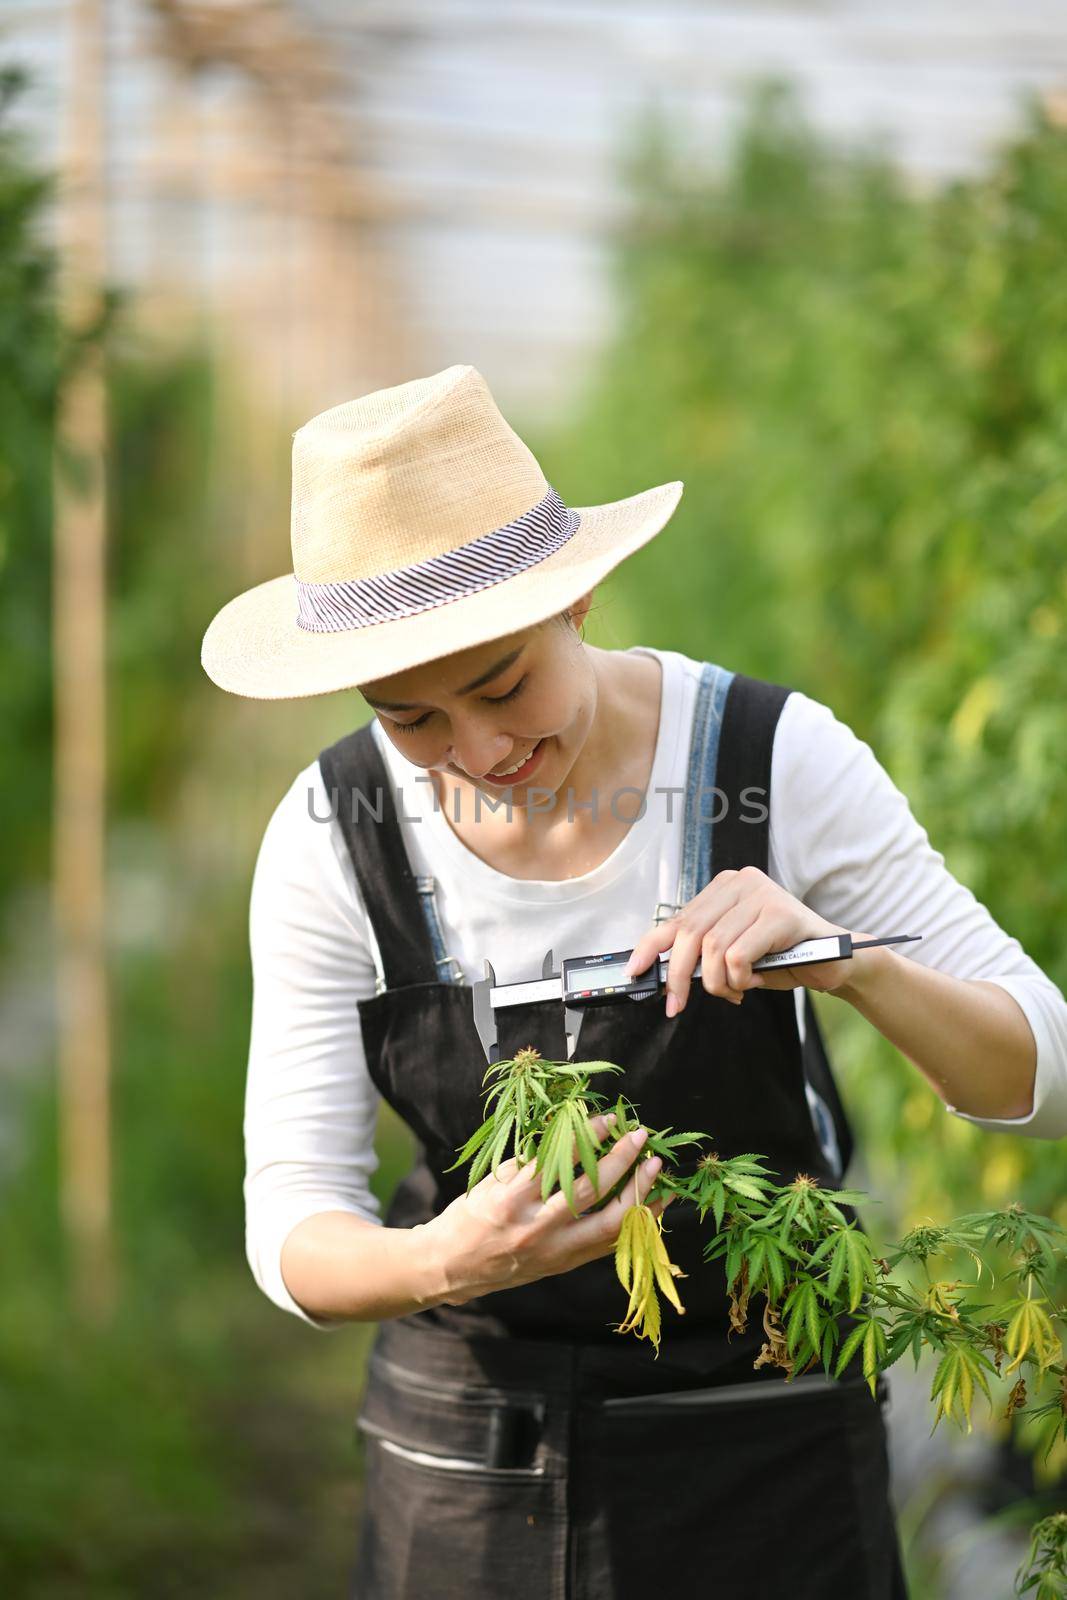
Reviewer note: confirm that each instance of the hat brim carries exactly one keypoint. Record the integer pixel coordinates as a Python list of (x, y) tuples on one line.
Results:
[(254, 647)]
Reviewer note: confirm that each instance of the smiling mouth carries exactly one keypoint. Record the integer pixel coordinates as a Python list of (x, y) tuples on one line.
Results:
[(518, 770), (507, 772)]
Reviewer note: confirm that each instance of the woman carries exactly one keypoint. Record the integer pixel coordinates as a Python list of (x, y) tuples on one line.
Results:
[(517, 792)]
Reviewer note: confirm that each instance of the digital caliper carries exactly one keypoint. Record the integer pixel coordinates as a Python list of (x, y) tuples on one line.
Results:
[(602, 980)]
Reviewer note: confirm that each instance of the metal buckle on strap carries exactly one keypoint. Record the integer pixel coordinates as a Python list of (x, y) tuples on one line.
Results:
[(665, 910)]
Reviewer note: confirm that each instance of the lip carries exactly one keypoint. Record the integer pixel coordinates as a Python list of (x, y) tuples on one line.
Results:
[(528, 767)]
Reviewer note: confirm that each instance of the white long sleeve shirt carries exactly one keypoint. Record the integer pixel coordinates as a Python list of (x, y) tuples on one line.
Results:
[(842, 840)]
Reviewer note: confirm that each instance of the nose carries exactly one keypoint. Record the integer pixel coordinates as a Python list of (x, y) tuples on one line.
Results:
[(478, 753)]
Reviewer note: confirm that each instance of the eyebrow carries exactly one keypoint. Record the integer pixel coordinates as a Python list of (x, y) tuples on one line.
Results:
[(468, 688)]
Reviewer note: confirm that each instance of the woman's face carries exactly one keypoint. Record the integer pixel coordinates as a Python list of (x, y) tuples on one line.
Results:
[(529, 698)]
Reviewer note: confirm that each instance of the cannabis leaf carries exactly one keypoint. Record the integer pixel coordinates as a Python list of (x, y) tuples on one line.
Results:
[(566, 1127), (1030, 1331), (795, 1246), (868, 1335), (960, 1368), (851, 1259), (1045, 1568), (642, 1265)]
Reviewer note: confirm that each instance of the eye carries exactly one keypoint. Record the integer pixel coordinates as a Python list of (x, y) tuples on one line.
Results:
[(499, 699), (493, 700)]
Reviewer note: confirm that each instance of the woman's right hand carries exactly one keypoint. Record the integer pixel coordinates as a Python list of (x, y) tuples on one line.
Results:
[(502, 1234)]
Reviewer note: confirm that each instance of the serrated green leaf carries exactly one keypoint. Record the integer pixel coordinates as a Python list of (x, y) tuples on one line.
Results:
[(853, 1340), (587, 1153), (813, 1320), (472, 1145), (873, 1349), (500, 1144), (548, 1154), (742, 1186), (838, 1262), (775, 1270), (756, 1257), (860, 1266), (796, 1307)]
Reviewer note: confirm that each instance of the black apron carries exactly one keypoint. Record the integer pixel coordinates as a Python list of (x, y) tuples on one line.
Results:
[(516, 1445)]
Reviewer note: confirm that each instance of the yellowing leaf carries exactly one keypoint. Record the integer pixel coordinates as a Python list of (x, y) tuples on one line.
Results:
[(1031, 1330), (642, 1263), (624, 1248)]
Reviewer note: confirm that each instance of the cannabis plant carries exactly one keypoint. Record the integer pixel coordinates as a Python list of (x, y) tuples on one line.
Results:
[(824, 1297)]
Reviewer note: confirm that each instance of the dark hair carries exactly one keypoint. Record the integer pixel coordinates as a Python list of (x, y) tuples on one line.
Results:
[(562, 618)]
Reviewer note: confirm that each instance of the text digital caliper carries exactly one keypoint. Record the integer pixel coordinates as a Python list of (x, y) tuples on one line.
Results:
[(602, 980)]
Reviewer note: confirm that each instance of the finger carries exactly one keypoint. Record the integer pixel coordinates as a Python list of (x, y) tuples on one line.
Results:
[(510, 1171), (702, 913), (644, 1177), (598, 1124), (610, 1168), (598, 1232), (600, 1226), (637, 1185), (714, 975), (653, 943), (716, 895), (664, 933), (773, 929), (678, 980)]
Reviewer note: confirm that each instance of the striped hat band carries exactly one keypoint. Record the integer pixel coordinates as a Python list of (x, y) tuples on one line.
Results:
[(404, 592)]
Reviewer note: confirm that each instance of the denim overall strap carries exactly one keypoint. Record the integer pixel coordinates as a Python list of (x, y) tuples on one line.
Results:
[(734, 721), (701, 799), (448, 967)]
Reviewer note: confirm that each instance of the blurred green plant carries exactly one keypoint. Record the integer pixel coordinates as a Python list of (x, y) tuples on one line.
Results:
[(864, 387), (201, 1440), (164, 563), (32, 361)]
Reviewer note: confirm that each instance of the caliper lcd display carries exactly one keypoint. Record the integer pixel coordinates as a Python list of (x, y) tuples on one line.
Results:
[(603, 977)]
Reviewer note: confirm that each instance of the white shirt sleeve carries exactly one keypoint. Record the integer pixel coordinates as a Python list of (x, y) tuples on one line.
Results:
[(843, 840), (310, 1105)]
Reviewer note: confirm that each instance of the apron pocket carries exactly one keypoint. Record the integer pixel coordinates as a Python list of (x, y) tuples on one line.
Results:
[(761, 1489), (461, 1497)]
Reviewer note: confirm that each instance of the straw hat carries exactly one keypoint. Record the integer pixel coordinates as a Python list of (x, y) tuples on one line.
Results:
[(421, 525)]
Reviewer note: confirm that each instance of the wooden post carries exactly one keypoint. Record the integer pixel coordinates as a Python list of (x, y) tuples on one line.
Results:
[(79, 621)]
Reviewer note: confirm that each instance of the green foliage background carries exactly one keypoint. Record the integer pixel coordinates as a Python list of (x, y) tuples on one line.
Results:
[(29, 375), (865, 391), (863, 388)]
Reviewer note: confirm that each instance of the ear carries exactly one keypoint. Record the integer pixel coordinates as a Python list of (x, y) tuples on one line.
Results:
[(579, 609)]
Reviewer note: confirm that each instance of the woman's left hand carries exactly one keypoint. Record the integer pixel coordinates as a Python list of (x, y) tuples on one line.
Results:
[(736, 919)]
